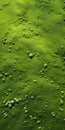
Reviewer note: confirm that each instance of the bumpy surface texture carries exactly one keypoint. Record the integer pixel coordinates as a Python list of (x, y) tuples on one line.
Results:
[(32, 64)]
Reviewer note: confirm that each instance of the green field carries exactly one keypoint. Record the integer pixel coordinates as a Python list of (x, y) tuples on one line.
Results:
[(32, 65)]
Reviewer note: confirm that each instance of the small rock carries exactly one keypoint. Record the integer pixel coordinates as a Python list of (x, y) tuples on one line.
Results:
[(26, 111), (32, 97), (1, 75), (34, 81), (39, 128), (3, 79), (31, 55), (25, 108), (64, 58), (10, 105), (61, 109), (62, 46), (45, 65), (52, 81), (5, 115), (10, 90), (53, 114), (38, 122), (62, 92), (61, 102)]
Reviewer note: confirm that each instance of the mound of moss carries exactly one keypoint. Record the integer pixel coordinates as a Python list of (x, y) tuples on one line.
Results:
[(32, 65)]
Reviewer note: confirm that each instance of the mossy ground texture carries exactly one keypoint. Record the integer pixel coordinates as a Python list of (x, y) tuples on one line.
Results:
[(32, 65)]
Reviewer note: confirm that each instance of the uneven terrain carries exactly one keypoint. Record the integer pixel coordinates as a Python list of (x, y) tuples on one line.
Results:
[(32, 65)]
